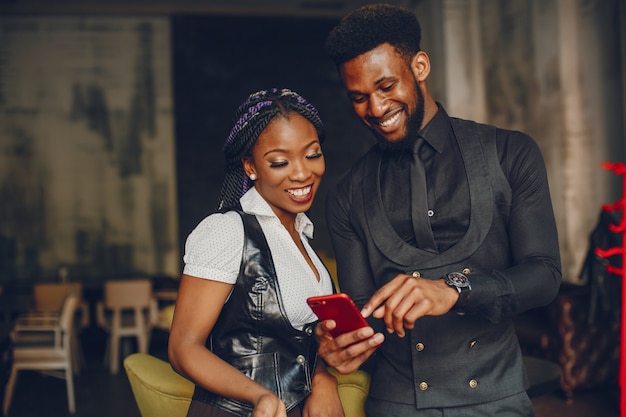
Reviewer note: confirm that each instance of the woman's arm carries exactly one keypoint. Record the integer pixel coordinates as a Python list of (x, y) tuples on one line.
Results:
[(198, 306), (324, 399)]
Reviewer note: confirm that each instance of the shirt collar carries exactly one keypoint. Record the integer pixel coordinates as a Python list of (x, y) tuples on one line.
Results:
[(438, 130), (253, 203)]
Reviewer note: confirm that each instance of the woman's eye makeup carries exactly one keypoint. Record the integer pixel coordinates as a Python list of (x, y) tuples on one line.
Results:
[(277, 164), (283, 162)]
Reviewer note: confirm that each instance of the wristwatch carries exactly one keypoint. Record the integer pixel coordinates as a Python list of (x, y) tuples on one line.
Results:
[(461, 283)]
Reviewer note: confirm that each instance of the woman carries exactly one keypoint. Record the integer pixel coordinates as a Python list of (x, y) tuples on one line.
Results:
[(242, 330)]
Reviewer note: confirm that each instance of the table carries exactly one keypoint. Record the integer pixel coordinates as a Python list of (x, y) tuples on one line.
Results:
[(544, 376)]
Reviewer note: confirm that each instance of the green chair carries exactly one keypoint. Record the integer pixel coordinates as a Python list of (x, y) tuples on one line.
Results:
[(157, 388), (160, 391), (353, 389)]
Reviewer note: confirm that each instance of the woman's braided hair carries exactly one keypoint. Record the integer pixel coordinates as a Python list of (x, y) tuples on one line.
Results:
[(251, 118)]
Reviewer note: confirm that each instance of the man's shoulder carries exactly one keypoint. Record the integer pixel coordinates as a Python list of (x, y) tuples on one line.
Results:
[(466, 123), (501, 134)]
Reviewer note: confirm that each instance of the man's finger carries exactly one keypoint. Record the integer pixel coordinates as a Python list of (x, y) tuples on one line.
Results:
[(382, 295)]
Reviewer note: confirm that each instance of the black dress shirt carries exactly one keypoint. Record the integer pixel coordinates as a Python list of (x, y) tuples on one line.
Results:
[(448, 192)]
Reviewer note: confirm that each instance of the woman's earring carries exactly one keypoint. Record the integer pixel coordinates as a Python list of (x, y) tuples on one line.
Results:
[(253, 177)]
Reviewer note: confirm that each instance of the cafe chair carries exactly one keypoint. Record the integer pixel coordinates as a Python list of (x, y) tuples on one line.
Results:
[(353, 389), (160, 391), (43, 343), (128, 310), (48, 298), (157, 388), (164, 317)]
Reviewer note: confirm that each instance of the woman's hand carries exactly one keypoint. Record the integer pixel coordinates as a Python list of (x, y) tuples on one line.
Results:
[(269, 405), (346, 353)]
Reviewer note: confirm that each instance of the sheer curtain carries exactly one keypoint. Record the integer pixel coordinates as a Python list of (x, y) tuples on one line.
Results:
[(552, 69)]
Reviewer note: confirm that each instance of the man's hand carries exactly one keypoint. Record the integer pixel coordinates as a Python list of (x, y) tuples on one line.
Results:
[(346, 353), (405, 299)]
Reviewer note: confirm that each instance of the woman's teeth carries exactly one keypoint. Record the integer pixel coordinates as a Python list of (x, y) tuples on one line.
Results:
[(300, 192)]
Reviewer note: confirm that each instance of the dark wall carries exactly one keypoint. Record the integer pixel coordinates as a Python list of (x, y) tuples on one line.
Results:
[(217, 62)]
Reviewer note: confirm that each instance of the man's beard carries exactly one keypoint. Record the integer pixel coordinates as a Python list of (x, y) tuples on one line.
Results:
[(413, 126)]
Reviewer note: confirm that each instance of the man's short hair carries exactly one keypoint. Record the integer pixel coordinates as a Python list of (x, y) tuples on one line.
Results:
[(369, 26)]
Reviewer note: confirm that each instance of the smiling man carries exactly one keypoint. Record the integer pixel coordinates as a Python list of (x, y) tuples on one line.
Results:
[(443, 232)]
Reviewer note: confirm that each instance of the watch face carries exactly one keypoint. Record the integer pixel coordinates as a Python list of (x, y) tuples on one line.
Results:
[(457, 279)]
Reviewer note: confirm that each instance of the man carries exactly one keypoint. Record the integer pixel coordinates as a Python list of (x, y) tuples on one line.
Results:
[(440, 265)]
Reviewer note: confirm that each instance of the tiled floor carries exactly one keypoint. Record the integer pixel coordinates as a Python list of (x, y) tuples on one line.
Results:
[(100, 394)]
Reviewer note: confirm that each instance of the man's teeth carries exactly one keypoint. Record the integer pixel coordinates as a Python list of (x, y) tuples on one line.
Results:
[(390, 121), (300, 192)]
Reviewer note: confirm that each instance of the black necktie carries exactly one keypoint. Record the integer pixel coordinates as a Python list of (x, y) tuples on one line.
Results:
[(419, 202)]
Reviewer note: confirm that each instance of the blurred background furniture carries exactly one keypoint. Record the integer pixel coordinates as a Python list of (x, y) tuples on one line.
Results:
[(353, 389), (43, 343), (544, 376), (588, 352), (129, 309), (12, 305), (160, 391), (580, 329), (164, 317), (49, 296), (157, 388), (165, 293), (6, 359), (48, 299)]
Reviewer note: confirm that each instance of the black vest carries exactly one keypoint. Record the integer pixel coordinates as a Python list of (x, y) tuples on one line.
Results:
[(254, 335)]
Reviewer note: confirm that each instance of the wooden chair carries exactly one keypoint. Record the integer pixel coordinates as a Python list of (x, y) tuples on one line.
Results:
[(128, 310), (48, 298), (43, 343)]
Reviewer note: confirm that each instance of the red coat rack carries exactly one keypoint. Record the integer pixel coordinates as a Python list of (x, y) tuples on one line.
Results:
[(619, 169)]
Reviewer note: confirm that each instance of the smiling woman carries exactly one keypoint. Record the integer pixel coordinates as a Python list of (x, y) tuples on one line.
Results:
[(250, 268)]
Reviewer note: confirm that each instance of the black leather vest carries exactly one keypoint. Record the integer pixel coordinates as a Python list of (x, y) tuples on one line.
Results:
[(254, 335)]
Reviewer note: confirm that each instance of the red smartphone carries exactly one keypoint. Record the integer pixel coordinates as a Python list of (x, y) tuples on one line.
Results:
[(338, 307)]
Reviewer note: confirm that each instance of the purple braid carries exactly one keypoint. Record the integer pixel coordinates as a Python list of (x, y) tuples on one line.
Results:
[(249, 114)]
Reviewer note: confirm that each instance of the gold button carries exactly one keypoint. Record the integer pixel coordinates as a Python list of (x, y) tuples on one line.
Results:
[(416, 274), (419, 346), (473, 383), (466, 271), (473, 343), (301, 359), (423, 386)]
